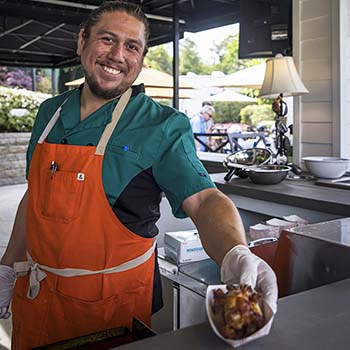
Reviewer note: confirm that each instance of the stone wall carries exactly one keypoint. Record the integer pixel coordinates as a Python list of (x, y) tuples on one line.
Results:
[(13, 147)]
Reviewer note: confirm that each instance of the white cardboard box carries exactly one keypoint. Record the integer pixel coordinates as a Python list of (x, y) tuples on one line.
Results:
[(282, 224), (184, 246)]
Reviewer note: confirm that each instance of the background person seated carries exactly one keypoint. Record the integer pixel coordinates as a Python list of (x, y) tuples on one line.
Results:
[(199, 124)]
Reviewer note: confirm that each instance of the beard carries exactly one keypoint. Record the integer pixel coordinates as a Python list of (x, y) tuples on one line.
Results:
[(106, 94)]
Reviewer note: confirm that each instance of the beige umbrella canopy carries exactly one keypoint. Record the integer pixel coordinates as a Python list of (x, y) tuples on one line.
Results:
[(154, 92), (148, 76), (75, 82), (230, 96), (164, 93), (157, 79), (252, 78)]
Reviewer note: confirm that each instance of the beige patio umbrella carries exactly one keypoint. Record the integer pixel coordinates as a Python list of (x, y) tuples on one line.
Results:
[(165, 93), (157, 79), (252, 78), (74, 83), (230, 96), (149, 77), (154, 92)]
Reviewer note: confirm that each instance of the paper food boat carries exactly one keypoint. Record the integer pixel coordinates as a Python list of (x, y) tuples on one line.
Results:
[(236, 343)]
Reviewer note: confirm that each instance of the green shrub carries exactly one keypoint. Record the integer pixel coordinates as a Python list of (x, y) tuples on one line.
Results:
[(257, 115), (45, 85), (228, 112), (18, 108)]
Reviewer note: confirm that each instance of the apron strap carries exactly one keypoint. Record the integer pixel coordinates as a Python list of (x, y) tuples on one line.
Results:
[(36, 273), (51, 123), (118, 110)]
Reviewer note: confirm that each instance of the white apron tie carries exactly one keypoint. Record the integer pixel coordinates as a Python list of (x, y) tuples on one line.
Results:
[(37, 274)]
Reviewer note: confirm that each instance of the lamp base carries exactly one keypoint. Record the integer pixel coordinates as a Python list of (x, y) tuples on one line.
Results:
[(282, 141)]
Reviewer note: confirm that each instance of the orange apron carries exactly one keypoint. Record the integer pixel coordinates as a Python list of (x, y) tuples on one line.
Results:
[(87, 272)]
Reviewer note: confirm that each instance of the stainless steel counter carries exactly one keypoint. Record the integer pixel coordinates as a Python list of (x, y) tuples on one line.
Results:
[(195, 276), (317, 319), (184, 290), (336, 231), (302, 197), (305, 258)]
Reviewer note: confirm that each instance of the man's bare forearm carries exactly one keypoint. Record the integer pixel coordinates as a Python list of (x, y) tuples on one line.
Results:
[(217, 220), (16, 248)]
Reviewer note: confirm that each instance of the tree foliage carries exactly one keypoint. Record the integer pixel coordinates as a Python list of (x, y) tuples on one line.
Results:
[(44, 84), (227, 55), (257, 115), (228, 112), (159, 58), (190, 61)]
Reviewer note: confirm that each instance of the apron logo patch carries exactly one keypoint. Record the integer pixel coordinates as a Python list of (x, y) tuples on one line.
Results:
[(81, 177)]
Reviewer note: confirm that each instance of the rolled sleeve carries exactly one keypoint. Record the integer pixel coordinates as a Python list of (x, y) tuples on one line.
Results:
[(178, 171)]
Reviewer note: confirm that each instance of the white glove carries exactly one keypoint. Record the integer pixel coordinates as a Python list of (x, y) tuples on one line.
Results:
[(241, 266), (7, 280)]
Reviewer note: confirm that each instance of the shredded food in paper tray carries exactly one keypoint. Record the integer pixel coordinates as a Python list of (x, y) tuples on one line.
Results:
[(238, 312)]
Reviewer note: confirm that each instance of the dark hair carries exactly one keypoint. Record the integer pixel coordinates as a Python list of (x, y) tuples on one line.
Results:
[(206, 103), (112, 6)]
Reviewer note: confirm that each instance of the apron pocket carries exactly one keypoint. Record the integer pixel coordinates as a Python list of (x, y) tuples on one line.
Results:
[(71, 317), (60, 197), (28, 316), (17, 337)]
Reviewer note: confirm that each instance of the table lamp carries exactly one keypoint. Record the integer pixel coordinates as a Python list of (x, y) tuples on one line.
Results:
[(281, 80)]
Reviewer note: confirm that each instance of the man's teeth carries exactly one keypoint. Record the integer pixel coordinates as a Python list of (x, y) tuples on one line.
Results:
[(111, 70)]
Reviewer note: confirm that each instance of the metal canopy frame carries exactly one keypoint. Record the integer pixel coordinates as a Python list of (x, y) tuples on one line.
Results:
[(43, 33)]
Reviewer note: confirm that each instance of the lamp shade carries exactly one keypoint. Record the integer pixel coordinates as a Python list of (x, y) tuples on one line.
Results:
[(281, 76)]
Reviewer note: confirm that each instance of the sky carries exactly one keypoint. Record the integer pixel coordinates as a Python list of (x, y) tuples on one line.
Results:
[(206, 40)]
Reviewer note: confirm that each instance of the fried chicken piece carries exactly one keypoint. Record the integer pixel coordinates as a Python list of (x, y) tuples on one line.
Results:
[(238, 312)]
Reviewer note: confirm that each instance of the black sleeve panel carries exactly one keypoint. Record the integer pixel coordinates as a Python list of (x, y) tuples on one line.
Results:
[(138, 205)]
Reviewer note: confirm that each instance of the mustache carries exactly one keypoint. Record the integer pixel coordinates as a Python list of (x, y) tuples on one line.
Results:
[(111, 64)]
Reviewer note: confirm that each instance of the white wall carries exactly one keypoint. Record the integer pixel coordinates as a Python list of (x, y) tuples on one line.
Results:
[(321, 118), (312, 50)]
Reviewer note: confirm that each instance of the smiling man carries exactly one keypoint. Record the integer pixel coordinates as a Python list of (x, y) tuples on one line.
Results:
[(111, 54), (83, 244)]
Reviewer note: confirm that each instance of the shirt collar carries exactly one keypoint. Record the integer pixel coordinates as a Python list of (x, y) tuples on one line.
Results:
[(70, 112)]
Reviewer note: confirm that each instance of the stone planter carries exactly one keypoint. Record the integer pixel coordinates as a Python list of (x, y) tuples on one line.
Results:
[(13, 147)]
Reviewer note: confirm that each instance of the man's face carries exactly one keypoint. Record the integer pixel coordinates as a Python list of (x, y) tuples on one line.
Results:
[(112, 56), (206, 116)]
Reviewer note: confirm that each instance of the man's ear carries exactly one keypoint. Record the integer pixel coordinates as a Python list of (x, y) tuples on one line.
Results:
[(81, 42)]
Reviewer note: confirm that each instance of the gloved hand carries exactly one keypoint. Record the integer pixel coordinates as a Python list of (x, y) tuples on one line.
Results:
[(7, 280), (241, 266)]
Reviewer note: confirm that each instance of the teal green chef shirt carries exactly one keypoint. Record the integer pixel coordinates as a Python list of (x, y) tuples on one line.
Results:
[(148, 135)]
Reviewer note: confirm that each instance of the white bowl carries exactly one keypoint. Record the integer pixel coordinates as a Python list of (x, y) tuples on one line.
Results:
[(326, 167)]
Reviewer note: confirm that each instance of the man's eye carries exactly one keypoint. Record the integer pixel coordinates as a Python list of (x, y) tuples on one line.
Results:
[(133, 47), (107, 40)]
